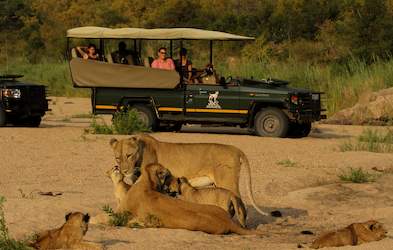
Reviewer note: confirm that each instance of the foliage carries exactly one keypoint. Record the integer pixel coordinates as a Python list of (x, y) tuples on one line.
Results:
[(287, 163), (98, 128), (371, 140), (117, 219), (128, 122), (357, 176), (125, 122), (6, 242)]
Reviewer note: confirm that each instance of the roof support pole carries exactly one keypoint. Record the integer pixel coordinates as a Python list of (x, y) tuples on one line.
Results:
[(211, 52), (68, 54), (102, 49), (135, 45), (180, 58), (171, 48)]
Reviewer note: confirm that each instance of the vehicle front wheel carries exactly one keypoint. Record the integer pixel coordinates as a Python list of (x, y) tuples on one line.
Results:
[(2, 117), (146, 115), (271, 122)]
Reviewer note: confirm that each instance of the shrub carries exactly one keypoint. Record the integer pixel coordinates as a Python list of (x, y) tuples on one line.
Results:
[(128, 122), (370, 140), (117, 219), (357, 176), (96, 128), (287, 163)]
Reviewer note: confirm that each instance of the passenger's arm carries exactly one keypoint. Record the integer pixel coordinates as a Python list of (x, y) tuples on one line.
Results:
[(171, 64), (83, 54)]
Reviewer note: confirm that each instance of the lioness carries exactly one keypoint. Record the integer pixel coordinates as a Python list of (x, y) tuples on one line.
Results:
[(218, 163), (354, 234), (120, 188), (68, 236), (143, 201), (211, 196)]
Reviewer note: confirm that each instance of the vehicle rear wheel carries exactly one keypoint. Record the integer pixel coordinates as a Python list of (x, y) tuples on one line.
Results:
[(299, 130), (271, 122), (146, 115), (2, 117)]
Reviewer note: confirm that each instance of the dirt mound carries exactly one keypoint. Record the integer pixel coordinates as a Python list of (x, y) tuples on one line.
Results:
[(374, 109)]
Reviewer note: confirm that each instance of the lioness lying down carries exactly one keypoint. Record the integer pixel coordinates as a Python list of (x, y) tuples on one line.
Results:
[(211, 196), (354, 234), (143, 200), (209, 163), (68, 236)]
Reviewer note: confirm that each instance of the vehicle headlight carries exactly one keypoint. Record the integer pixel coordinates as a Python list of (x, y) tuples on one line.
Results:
[(315, 97), (11, 93)]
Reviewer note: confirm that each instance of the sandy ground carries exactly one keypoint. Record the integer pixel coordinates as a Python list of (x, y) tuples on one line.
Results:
[(58, 156)]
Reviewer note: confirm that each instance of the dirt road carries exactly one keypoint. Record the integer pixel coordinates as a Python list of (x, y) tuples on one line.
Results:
[(297, 176)]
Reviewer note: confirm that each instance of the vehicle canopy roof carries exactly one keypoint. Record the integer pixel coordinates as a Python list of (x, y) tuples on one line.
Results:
[(153, 34)]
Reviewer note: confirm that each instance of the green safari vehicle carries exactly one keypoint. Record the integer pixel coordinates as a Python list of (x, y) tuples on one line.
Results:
[(166, 100)]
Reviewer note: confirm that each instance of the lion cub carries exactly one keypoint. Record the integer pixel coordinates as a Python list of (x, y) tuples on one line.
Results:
[(121, 188), (354, 234), (220, 197), (68, 236)]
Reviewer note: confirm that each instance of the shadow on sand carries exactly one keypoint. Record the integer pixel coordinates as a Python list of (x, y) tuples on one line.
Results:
[(254, 218)]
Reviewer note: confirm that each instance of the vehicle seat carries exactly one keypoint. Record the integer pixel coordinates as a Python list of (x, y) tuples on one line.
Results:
[(148, 61), (74, 53), (109, 58)]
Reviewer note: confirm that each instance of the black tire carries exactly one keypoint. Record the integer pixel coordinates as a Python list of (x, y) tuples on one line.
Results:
[(299, 130), (3, 120), (32, 121), (271, 122), (147, 115)]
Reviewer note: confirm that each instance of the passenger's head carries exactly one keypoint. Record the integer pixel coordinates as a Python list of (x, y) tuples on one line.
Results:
[(183, 52), (122, 46), (162, 53), (91, 49)]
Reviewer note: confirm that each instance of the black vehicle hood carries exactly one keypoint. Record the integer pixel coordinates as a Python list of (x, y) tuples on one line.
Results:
[(17, 84), (272, 85)]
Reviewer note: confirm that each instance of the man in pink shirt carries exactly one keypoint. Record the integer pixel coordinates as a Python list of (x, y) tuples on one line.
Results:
[(162, 62)]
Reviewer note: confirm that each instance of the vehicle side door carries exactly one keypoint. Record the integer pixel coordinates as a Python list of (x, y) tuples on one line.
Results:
[(212, 102)]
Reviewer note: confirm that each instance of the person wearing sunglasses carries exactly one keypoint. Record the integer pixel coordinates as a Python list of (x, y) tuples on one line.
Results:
[(163, 62)]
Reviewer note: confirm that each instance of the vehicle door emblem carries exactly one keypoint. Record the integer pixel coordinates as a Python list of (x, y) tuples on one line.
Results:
[(213, 101)]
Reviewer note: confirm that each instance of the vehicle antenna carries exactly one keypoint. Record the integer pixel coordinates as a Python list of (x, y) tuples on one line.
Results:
[(6, 44)]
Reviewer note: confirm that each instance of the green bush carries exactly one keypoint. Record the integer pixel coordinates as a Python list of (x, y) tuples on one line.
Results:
[(124, 123), (128, 122), (357, 176), (97, 128), (117, 219)]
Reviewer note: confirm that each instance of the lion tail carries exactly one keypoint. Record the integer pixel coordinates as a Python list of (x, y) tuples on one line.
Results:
[(240, 210), (244, 161)]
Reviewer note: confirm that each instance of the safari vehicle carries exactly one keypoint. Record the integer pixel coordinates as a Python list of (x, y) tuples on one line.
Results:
[(21, 103), (165, 100)]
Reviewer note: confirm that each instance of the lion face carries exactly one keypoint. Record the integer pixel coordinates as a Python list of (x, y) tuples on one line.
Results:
[(78, 220), (159, 176), (127, 153), (115, 174), (377, 229)]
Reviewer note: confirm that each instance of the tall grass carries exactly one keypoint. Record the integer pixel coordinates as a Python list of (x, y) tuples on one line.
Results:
[(372, 141), (343, 83), (54, 75)]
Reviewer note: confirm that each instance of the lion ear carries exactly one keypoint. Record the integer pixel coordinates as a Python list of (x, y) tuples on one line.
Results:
[(67, 216), (86, 218), (113, 142)]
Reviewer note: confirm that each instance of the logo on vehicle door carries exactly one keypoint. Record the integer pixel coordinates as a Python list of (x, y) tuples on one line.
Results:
[(213, 101)]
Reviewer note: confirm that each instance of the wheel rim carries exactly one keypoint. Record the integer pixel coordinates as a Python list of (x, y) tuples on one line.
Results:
[(143, 117), (270, 124)]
